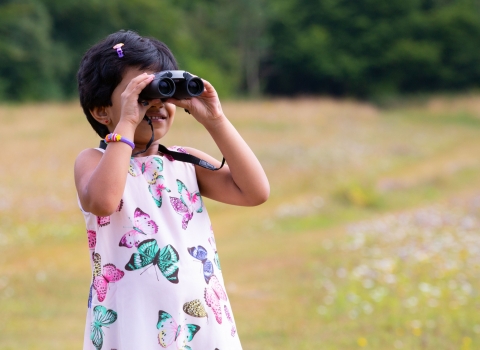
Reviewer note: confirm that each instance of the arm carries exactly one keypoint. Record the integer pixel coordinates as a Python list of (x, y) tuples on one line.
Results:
[(100, 178), (241, 182)]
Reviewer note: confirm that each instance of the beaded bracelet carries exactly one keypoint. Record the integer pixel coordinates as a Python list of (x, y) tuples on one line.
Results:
[(113, 137)]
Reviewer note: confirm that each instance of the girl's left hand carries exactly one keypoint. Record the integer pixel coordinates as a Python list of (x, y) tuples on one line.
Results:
[(242, 181), (206, 108)]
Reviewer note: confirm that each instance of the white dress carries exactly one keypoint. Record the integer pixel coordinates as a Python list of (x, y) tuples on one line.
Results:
[(156, 277)]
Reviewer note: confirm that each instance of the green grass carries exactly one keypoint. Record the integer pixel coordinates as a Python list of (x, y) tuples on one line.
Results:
[(369, 239)]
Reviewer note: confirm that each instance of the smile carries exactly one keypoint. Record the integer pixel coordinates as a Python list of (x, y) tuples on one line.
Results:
[(156, 118)]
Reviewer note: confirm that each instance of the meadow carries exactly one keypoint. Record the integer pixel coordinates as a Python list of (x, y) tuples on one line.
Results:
[(370, 238)]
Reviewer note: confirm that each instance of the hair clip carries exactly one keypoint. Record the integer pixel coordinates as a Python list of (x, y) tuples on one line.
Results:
[(118, 47)]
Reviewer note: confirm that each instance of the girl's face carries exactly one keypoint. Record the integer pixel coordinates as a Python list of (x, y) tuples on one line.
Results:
[(160, 113)]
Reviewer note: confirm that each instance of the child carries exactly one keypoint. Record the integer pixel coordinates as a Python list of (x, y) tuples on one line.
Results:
[(156, 278)]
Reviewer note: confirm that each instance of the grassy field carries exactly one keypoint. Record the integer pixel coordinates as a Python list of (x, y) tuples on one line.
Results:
[(370, 238)]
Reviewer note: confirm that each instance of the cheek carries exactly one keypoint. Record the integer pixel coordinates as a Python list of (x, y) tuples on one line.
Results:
[(171, 109)]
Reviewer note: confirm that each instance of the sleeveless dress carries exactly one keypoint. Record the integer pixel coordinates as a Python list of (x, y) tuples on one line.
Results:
[(156, 277)]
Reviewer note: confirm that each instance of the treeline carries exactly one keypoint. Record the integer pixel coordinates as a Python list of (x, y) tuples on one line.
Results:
[(360, 48)]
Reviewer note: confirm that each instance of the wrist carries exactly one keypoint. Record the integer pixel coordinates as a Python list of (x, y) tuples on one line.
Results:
[(126, 129), (114, 137), (216, 122)]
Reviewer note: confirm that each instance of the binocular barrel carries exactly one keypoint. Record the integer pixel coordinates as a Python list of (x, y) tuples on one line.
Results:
[(177, 84)]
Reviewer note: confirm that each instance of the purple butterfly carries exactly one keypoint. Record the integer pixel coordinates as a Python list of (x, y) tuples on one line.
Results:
[(187, 204)]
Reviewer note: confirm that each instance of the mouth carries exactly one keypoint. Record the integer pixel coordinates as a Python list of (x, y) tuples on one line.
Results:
[(156, 118)]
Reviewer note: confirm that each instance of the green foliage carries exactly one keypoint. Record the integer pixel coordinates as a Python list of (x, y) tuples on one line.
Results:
[(27, 65), (368, 48), (373, 47)]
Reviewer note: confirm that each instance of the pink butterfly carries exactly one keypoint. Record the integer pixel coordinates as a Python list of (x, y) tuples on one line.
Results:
[(101, 279), (149, 167), (105, 220), (230, 319), (187, 204), (92, 239), (214, 293), (156, 190), (142, 226)]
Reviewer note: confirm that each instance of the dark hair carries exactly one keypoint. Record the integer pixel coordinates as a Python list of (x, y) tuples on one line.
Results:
[(101, 70)]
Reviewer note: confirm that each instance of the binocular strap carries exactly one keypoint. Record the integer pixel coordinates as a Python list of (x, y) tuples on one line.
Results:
[(181, 157), (188, 158)]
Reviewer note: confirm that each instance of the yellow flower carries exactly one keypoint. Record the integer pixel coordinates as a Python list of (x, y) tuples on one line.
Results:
[(362, 342), (417, 331), (466, 342)]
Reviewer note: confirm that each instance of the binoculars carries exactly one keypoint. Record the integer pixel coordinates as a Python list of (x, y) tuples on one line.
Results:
[(178, 84)]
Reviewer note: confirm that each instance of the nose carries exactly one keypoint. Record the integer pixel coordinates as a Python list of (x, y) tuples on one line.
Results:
[(156, 102)]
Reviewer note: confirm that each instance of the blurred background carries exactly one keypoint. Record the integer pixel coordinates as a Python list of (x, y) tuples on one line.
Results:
[(366, 117)]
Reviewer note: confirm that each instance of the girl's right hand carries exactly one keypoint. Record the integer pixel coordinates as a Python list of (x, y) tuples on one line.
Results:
[(100, 178), (131, 110)]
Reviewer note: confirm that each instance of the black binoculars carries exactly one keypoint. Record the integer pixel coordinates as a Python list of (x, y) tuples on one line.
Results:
[(178, 84)]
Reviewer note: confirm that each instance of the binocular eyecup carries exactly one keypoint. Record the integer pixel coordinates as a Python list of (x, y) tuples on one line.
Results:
[(176, 84)]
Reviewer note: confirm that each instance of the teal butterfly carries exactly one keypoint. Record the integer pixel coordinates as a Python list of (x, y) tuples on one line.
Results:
[(171, 332), (214, 246), (149, 254), (102, 318)]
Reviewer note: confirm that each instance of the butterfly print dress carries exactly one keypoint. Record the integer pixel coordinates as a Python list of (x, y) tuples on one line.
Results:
[(156, 276)]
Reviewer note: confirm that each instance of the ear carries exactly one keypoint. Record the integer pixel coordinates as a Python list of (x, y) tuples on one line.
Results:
[(100, 114)]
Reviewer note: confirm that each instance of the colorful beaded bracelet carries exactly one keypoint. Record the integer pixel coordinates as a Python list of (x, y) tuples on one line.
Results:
[(113, 137)]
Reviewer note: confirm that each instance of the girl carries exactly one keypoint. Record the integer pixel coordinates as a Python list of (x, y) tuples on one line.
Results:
[(157, 281)]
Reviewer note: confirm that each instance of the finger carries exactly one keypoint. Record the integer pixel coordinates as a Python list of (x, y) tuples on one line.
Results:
[(138, 83), (143, 81), (180, 103), (209, 89)]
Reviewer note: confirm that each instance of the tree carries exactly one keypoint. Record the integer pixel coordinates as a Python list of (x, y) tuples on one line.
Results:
[(27, 65)]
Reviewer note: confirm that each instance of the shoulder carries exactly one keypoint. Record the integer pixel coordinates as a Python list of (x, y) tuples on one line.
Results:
[(90, 153), (88, 156)]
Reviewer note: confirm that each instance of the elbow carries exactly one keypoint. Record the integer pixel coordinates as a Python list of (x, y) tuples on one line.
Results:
[(101, 206), (260, 197), (264, 197), (102, 211)]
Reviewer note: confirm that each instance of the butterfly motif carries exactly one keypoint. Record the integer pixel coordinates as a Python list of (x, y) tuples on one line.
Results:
[(216, 259), (187, 204), (214, 294), (101, 279), (142, 225), (171, 332), (150, 168), (233, 331), (92, 239), (105, 220), (195, 308), (200, 253), (102, 318), (149, 254), (156, 190)]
